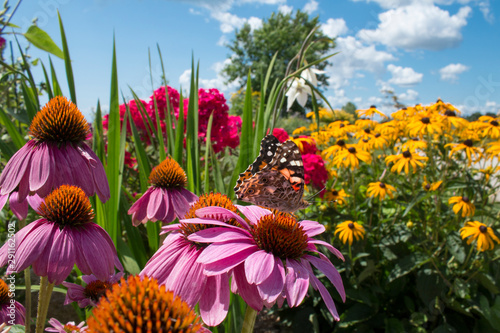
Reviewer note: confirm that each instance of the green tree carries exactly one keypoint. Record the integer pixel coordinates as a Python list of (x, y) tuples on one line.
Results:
[(281, 33)]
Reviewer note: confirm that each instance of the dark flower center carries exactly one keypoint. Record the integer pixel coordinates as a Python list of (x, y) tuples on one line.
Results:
[(427, 186), (377, 135), (139, 304), (373, 107), (406, 154), (494, 123), (367, 131), (4, 293), (465, 199), (168, 174), (365, 140), (351, 226), (341, 143), (382, 185), (59, 121), (425, 120), (207, 200), (415, 138), (450, 113), (281, 235), (352, 150), (335, 193), (95, 289), (483, 229), (341, 125), (67, 206), (468, 143)]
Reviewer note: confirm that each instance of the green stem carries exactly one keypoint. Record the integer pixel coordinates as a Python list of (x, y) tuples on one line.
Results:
[(249, 321), (43, 303)]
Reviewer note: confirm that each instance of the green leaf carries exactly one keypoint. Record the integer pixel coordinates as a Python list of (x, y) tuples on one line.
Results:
[(67, 62), (43, 41), (207, 151), (14, 134), (179, 133), (47, 82), (455, 246), (55, 82), (407, 264)]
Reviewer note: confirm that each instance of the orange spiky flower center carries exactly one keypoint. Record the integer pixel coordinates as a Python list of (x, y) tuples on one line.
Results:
[(59, 121), (168, 174), (71, 328), (281, 235), (4, 292), (67, 206), (141, 305), (208, 200), (95, 289)]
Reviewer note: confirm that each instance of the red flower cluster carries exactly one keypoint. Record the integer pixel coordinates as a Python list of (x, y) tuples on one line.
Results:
[(314, 170), (161, 101), (280, 134), (308, 147), (136, 114), (225, 128)]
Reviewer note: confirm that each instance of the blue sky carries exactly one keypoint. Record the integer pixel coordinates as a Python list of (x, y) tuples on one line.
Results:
[(420, 49)]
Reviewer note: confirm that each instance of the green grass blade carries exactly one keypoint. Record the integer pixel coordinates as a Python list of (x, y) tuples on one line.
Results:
[(47, 82), (67, 62), (179, 134), (29, 101), (208, 147), (55, 83), (192, 161), (14, 134)]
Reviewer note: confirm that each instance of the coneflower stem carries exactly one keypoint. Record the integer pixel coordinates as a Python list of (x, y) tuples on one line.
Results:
[(43, 303), (249, 321)]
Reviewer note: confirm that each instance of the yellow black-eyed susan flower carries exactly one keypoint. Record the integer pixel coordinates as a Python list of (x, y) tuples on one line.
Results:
[(484, 235), (473, 153), (349, 230), (462, 204), (405, 160), (380, 190), (351, 156)]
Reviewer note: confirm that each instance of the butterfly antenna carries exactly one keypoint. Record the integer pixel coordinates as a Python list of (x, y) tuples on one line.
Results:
[(315, 194)]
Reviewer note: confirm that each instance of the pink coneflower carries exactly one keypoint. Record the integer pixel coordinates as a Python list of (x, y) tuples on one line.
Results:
[(69, 327), (271, 254), (167, 198), (65, 236), (56, 155), (11, 312), (92, 292), (175, 265)]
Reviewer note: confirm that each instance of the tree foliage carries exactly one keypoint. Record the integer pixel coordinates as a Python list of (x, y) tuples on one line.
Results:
[(282, 33)]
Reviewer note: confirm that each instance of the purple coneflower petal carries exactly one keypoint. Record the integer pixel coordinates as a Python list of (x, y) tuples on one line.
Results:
[(258, 266), (219, 235), (329, 247), (312, 228), (80, 165), (253, 213), (19, 208), (16, 168), (156, 205), (180, 204), (74, 292), (40, 167), (271, 288), (64, 175), (49, 231), (248, 292), (100, 179), (24, 187), (169, 228), (327, 268), (3, 200), (214, 302), (46, 188), (34, 201), (163, 261), (170, 211), (62, 257), (220, 258), (296, 284), (139, 209), (222, 214), (327, 298), (188, 195)]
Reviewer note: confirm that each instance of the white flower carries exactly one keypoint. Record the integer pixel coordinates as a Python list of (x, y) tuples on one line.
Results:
[(309, 74), (299, 91)]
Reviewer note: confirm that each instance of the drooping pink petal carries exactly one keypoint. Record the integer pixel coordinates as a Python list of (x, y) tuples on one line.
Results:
[(64, 174), (40, 171), (139, 209), (327, 298), (220, 234), (100, 179), (156, 205), (258, 266), (50, 231), (24, 186), (61, 258), (19, 208), (180, 204), (253, 213), (15, 169), (80, 170), (34, 201), (188, 195), (220, 258), (221, 214), (214, 302), (296, 283), (329, 247), (272, 287), (74, 292), (248, 292), (163, 261), (312, 228), (3, 200), (54, 171), (327, 268), (170, 212)]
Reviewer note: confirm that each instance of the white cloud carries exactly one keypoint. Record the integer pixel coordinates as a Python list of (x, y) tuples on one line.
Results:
[(228, 21), (451, 72), (311, 6), (484, 7), (216, 82), (255, 22), (285, 9), (418, 26), (409, 96), (334, 27), (354, 56), (404, 76)]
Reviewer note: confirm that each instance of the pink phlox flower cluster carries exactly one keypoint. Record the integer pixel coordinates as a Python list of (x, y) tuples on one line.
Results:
[(281, 134), (314, 170)]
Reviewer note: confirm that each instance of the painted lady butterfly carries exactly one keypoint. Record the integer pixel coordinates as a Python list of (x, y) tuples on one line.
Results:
[(275, 179)]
